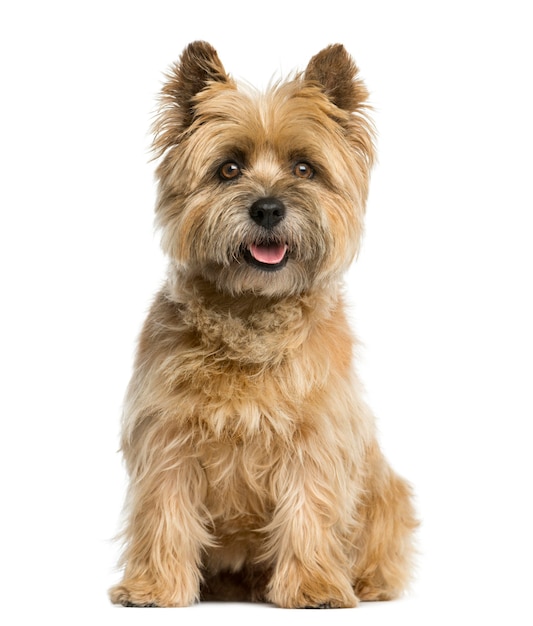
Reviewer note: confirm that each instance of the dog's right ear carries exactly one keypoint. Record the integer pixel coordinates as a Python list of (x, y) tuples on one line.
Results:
[(335, 71), (197, 68)]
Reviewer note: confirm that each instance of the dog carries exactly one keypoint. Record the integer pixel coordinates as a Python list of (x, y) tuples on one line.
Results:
[(254, 468)]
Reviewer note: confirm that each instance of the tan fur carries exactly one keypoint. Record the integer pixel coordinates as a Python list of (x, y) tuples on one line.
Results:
[(254, 468)]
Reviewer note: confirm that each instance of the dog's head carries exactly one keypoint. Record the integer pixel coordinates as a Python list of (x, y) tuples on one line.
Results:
[(262, 193)]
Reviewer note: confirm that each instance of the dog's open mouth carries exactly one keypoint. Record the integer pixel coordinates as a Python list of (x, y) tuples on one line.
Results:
[(269, 257)]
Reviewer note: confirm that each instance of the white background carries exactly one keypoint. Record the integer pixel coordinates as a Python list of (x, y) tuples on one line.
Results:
[(441, 295)]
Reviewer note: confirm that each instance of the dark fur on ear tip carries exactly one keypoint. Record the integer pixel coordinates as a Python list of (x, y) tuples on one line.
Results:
[(199, 63), (197, 67), (334, 69)]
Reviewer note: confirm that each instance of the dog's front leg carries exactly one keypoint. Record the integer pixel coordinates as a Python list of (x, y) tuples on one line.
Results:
[(165, 531), (305, 537)]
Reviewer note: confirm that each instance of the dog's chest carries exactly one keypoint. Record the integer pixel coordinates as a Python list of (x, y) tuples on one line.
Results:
[(240, 482)]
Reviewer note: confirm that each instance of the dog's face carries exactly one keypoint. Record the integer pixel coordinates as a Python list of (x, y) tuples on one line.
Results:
[(262, 193)]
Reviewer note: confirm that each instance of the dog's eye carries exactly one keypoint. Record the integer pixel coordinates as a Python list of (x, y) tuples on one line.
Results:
[(229, 171), (303, 170)]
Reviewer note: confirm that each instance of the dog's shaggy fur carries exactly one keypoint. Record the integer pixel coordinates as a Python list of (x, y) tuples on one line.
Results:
[(255, 471)]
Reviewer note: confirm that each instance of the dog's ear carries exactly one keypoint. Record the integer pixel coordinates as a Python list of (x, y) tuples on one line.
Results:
[(335, 71), (197, 68)]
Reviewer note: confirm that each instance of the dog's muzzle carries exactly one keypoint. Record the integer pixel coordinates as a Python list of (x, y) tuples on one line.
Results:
[(268, 254)]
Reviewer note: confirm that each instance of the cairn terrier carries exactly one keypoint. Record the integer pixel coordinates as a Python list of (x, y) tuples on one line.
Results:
[(254, 467)]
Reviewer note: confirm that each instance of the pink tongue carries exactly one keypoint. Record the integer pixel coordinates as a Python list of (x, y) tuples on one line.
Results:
[(272, 254)]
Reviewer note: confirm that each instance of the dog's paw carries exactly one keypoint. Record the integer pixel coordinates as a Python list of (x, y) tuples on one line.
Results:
[(138, 606), (304, 601), (137, 593), (300, 589)]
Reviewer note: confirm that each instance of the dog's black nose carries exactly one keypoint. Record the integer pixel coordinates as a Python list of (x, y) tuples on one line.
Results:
[(267, 212)]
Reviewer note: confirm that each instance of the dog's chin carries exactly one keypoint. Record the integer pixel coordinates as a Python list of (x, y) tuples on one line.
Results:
[(248, 276)]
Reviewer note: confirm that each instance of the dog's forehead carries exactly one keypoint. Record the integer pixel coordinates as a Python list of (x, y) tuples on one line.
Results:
[(284, 122)]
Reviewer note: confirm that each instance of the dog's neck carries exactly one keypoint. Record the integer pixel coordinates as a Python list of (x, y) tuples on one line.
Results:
[(250, 328)]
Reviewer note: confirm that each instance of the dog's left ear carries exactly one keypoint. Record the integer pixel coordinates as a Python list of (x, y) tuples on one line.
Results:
[(334, 69)]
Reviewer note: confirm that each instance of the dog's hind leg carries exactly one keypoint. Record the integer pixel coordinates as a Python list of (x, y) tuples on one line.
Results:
[(384, 539)]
